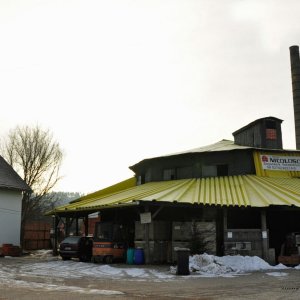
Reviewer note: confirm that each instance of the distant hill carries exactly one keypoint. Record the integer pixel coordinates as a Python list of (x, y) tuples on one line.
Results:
[(55, 199)]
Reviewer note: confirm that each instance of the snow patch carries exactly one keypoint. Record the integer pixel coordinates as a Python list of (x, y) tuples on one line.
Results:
[(210, 265), (277, 274)]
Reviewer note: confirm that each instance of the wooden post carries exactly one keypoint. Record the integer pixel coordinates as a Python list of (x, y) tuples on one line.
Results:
[(224, 236), (147, 244), (86, 225), (67, 226), (77, 228), (264, 234), (225, 219), (55, 242)]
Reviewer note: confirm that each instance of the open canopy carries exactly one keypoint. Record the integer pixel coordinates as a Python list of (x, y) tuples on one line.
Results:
[(242, 190)]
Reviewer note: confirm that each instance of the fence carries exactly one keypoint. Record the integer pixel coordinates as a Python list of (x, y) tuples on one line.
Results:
[(37, 235)]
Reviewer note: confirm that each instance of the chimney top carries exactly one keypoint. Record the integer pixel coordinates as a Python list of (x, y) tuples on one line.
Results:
[(294, 53)]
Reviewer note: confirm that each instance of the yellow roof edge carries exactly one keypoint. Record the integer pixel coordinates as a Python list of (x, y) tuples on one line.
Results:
[(225, 191), (122, 185)]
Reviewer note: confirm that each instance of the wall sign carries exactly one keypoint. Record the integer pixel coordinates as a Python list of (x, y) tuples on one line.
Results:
[(280, 163), (145, 217), (264, 234)]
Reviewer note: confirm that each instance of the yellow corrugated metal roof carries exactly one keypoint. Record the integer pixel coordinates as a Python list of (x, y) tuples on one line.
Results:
[(125, 184), (242, 190)]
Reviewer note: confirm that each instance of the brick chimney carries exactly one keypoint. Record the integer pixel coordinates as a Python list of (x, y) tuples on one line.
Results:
[(295, 71)]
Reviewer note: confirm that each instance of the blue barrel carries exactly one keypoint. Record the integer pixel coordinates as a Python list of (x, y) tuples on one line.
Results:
[(130, 256), (139, 258)]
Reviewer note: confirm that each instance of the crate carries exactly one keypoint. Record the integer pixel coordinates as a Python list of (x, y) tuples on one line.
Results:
[(292, 260), (158, 230), (182, 231), (11, 250), (185, 231), (159, 251)]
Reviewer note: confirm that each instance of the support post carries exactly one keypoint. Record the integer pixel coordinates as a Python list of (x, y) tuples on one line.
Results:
[(55, 240), (225, 219), (67, 228), (77, 228), (147, 250), (86, 225), (223, 231), (264, 234)]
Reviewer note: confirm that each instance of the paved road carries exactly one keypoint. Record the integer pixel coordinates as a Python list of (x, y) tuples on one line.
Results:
[(258, 285)]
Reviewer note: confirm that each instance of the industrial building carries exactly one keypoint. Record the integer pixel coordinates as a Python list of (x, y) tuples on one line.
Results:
[(231, 197)]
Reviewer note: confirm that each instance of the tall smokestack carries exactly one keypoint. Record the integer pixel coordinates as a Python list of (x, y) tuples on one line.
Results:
[(295, 70)]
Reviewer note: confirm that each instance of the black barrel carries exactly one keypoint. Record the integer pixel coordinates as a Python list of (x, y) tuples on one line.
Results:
[(183, 255)]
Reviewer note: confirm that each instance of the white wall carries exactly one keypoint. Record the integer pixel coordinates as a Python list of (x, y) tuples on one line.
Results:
[(10, 217)]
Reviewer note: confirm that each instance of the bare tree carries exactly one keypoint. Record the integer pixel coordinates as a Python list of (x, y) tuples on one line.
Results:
[(34, 155)]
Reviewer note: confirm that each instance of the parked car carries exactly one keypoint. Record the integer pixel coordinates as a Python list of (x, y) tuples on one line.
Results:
[(76, 247)]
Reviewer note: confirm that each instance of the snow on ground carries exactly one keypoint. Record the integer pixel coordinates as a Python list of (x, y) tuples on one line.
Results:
[(42, 265), (277, 274), (210, 265)]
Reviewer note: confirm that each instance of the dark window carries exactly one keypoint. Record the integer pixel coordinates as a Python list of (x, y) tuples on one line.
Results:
[(222, 170), (184, 172), (141, 179), (209, 171), (169, 174)]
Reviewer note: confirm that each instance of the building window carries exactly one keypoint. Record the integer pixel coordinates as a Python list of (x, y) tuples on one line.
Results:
[(209, 171), (222, 170), (184, 172), (215, 170), (141, 179), (169, 174), (271, 133)]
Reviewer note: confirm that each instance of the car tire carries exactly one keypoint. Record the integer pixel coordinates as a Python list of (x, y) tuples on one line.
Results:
[(65, 258), (83, 258)]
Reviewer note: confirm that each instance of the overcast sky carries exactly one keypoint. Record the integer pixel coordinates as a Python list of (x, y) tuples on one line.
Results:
[(118, 81)]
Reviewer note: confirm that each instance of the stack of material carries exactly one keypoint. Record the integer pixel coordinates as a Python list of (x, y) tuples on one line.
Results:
[(10, 250)]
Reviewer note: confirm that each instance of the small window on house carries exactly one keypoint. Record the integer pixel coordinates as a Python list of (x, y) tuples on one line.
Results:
[(215, 170), (271, 133), (222, 170), (184, 172), (148, 176), (169, 174), (141, 179), (209, 171)]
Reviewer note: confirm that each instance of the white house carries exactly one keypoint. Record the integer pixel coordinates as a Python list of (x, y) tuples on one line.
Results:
[(12, 187)]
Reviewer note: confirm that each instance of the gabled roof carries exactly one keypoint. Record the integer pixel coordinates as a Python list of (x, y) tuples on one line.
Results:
[(9, 178), (255, 122), (241, 190)]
